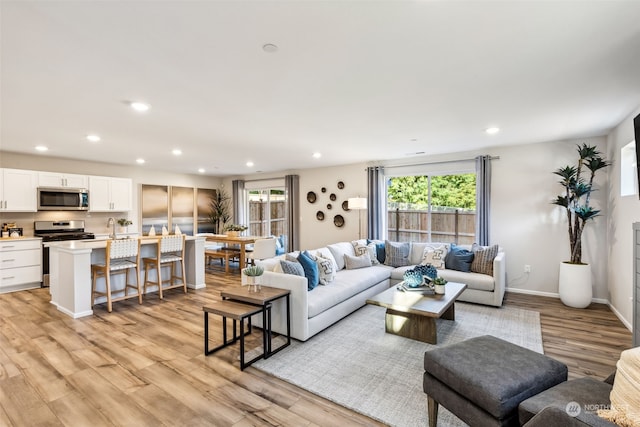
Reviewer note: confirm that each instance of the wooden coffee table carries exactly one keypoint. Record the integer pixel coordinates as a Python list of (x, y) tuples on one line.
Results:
[(412, 315)]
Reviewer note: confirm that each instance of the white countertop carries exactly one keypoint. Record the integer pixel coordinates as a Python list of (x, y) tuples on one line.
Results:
[(8, 239), (102, 243)]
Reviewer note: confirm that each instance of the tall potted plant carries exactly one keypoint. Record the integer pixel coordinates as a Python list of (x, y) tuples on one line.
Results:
[(220, 213), (577, 181)]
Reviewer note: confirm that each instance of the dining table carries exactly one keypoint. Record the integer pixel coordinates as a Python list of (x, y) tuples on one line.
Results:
[(241, 241)]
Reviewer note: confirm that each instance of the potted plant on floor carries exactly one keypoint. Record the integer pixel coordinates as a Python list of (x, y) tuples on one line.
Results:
[(220, 213), (574, 284), (251, 276)]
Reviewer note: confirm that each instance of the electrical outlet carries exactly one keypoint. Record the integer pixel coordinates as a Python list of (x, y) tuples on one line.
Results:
[(527, 268)]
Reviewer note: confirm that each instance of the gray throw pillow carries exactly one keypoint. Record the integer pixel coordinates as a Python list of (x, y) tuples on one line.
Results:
[(396, 253), (290, 267), (353, 262)]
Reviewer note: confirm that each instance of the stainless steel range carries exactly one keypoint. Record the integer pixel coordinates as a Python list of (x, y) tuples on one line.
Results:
[(54, 231)]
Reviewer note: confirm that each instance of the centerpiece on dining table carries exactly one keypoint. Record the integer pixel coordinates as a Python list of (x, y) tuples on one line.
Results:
[(233, 230)]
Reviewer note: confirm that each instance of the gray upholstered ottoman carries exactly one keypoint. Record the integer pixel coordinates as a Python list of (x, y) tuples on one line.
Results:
[(482, 380)]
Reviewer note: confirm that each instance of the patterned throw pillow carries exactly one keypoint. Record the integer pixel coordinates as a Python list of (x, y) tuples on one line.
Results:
[(434, 256), (396, 253), (362, 248), (483, 257), (290, 267), (354, 262), (379, 250), (326, 268)]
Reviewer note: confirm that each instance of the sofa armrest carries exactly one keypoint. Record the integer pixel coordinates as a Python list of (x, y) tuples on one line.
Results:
[(552, 416), (500, 276), (299, 302)]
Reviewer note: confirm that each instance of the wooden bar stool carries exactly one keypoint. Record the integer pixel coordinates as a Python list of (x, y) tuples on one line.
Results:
[(120, 256), (170, 250)]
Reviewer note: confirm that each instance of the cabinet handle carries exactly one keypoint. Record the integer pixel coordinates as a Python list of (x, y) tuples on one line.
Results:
[(9, 277), (7, 247), (8, 260)]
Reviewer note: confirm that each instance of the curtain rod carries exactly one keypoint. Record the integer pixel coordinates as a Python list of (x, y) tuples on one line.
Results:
[(264, 179), (438, 162)]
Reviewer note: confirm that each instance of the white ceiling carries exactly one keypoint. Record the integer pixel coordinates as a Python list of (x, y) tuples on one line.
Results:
[(355, 80)]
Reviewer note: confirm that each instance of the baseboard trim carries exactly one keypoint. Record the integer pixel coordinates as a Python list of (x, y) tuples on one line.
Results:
[(624, 321), (551, 295)]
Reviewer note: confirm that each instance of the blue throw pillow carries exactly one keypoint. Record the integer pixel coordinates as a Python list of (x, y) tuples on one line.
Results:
[(380, 252), (310, 269), (458, 259)]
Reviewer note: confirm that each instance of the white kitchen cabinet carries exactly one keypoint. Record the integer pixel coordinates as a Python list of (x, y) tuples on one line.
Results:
[(20, 264), (18, 190), (55, 179), (108, 194)]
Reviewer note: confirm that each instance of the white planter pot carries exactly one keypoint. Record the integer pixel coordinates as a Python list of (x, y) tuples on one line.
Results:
[(439, 289), (252, 281), (574, 285)]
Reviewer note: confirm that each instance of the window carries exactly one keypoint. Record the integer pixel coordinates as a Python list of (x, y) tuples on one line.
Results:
[(266, 212), (432, 208), (628, 170)]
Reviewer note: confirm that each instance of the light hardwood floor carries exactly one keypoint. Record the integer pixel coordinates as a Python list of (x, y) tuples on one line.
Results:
[(144, 365)]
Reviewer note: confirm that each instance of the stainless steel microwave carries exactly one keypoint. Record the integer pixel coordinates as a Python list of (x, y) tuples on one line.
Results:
[(63, 199)]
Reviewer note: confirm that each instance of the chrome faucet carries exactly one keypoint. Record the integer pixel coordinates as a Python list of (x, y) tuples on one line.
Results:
[(112, 222)]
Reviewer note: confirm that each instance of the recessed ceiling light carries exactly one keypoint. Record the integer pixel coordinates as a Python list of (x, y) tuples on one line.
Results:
[(317, 155), (201, 170), (41, 148), (93, 138), (140, 161), (250, 164), (176, 152), (270, 48), (492, 130), (140, 106)]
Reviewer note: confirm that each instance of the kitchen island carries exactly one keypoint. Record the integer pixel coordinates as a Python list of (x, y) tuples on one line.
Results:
[(70, 270)]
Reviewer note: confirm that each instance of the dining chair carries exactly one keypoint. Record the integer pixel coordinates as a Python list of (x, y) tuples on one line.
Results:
[(262, 249)]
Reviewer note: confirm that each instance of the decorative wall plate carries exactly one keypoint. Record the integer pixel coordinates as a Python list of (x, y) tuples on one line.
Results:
[(345, 206), (340, 185), (333, 197), (320, 216), (311, 197), (324, 189), (329, 206), (338, 221)]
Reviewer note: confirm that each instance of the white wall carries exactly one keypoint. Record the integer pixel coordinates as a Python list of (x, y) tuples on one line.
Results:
[(316, 233), (530, 228), (623, 212), (94, 222)]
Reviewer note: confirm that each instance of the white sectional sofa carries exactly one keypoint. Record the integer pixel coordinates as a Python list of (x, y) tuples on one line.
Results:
[(312, 311)]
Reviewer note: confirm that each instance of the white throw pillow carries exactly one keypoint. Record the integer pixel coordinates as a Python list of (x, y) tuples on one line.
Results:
[(434, 256), (360, 247), (339, 250), (354, 262), (326, 269)]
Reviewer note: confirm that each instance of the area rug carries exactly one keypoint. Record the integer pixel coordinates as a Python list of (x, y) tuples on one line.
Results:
[(357, 365)]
